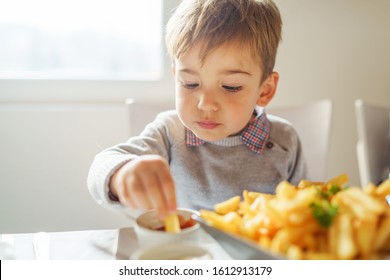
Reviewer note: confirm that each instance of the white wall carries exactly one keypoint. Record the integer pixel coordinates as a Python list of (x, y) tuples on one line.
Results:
[(46, 151), (49, 130), (337, 49)]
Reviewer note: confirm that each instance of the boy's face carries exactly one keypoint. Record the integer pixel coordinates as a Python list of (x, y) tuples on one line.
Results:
[(216, 99)]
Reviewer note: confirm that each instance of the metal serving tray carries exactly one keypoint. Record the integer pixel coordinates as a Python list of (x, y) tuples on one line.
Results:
[(238, 248)]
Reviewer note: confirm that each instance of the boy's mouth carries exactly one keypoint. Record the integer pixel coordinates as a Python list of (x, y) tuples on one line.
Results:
[(208, 124)]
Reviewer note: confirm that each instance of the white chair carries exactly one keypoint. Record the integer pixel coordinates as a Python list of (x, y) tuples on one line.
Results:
[(373, 146), (142, 113), (313, 124)]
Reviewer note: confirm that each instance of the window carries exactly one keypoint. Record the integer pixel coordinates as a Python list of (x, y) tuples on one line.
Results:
[(81, 39)]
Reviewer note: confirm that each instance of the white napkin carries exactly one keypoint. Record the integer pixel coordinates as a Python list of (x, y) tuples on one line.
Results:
[(7, 249)]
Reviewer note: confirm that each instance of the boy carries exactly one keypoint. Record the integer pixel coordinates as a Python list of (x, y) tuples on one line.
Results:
[(219, 141)]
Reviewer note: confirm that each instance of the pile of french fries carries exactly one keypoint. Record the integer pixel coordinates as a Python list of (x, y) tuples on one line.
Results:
[(314, 220)]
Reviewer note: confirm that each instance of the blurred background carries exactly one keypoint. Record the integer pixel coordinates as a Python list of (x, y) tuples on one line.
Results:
[(67, 67)]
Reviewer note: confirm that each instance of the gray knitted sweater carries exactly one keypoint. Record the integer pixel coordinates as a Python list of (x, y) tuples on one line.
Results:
[(206, 174)]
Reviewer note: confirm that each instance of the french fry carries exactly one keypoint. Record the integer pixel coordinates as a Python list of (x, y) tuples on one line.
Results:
[(285, 191), (302, 200), (322, 243), (340, 180), (245, 210), (264, 241), (218, 221), (257, 203), (383, 233), (319, 256), (294, 252), (354, 207), (386, 246), (233, 218), (300, 218), (365, 234), (383, 189), (276, 218), (332, 235), (305, 184), (281, 242), (228, 205), (298, 232), (309, 242), (250, 227), (370, 189), (371, 204), (172, 223), (346, 247), (249, 197), (295, 234)]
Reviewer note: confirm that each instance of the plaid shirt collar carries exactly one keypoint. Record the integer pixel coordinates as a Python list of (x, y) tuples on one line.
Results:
[(254, 135)]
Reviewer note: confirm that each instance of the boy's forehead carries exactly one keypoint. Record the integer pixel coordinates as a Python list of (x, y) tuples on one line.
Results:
[(235, 53)]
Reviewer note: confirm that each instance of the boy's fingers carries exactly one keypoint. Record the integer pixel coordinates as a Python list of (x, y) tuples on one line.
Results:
[(124, 197), (147, 184), (153, 192), (136, 192), (168, 189), (162, 187), (118, 183)]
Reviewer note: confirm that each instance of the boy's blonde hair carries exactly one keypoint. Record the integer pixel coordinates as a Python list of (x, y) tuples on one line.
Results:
[(256, 24)]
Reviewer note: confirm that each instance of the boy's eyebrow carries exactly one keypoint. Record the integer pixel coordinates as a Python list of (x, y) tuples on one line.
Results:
[(189, 71), (224, 72), (235, 71)]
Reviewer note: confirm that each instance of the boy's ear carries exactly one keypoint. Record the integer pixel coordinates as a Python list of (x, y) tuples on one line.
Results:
[(268, 89)]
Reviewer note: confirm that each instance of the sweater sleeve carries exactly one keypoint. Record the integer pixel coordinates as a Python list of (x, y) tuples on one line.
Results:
[(154, 139), (285, 135)]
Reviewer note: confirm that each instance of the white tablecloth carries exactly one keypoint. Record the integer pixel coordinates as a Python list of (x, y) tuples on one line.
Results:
[(87, 245)]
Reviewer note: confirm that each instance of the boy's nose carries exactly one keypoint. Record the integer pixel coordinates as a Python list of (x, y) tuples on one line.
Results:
[(207, 103)]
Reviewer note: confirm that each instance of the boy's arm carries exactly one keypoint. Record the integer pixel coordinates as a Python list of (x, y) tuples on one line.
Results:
[(299, 167), (153, 140)]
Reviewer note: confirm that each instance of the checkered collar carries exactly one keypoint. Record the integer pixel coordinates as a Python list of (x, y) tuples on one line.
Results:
[(254, 135)]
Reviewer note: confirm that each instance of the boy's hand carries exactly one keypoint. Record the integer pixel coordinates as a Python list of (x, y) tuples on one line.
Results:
[(145, 183)]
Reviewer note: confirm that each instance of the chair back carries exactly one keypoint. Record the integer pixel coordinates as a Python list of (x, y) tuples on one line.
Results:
[(142, 113), (373, 145), (313, 123)]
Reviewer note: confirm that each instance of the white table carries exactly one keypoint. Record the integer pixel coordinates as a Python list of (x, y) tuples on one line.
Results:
[(88, 245)]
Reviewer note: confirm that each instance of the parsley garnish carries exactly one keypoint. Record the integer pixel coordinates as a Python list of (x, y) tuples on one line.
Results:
[(324, 212), (332, 191)]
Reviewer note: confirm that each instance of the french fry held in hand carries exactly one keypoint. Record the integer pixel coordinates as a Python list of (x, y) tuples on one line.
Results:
[(314, 220), (172, 223)]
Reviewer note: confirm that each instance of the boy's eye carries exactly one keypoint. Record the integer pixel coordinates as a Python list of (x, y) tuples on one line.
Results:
[(190, 86), (232, 89)]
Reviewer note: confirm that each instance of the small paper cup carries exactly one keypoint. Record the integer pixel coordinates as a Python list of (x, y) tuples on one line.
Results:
[(149, 229)]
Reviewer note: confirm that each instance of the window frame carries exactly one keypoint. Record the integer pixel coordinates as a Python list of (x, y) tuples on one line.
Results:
[(90, 90)]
